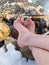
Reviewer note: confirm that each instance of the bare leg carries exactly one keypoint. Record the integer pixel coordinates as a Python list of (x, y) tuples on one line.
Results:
[(41, 56)]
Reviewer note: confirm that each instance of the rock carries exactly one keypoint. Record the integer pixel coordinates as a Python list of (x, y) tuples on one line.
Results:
[(20, 8), (14, 33), (26, 52)]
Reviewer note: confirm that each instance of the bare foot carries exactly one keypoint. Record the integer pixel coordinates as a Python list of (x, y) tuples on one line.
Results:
[(23, 32), (41, 56)]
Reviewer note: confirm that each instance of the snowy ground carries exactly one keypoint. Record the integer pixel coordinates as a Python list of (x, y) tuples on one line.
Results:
[(13, 57)]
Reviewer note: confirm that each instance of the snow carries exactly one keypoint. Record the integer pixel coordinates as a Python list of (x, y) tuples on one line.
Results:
[(13, 57), (30, 1)]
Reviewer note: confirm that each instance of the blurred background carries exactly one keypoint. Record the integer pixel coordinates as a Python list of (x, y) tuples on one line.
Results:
[(44, 3)]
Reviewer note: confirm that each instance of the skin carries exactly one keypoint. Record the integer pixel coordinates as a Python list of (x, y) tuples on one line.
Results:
[(27, 37)]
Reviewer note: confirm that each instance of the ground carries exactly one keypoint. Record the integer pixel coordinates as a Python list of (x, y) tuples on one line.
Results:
[(13, 57)]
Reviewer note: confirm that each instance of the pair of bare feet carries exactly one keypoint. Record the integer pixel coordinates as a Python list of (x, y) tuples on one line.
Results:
[(25, 28)]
